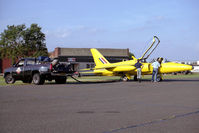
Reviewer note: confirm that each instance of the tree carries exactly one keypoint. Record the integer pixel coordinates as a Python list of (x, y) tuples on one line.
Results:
[(35, 42), (11, 40), (19, 41)]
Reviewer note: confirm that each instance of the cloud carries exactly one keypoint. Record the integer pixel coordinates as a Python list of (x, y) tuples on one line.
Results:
[(143, 24), (156, 19), (80, 30), (59, 33), (64, 34), (88, 30), (140, 28)]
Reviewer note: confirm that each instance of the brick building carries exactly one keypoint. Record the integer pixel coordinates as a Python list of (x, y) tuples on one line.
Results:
[(5, 63)]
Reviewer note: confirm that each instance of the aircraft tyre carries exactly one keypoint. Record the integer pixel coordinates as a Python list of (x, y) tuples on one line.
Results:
[(124, 78), (159, 78)]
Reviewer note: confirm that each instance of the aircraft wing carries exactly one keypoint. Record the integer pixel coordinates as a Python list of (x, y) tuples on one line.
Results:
[(109, 66), (122, 69), (115, 68)]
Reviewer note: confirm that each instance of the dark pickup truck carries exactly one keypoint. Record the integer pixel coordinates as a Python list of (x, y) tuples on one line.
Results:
[(34, 70)]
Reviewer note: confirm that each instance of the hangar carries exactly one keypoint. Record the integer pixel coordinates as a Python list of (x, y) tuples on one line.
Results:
[(81, 57)]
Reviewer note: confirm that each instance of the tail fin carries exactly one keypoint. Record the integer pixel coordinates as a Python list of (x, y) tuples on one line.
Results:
[(98, 57)]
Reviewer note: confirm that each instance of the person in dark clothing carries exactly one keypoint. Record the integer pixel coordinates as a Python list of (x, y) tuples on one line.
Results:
[(138, 66)]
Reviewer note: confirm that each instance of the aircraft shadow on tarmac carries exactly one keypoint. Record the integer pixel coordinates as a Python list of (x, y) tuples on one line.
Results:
[(172, 80), (181, 80), (113, 81), (85, 82)]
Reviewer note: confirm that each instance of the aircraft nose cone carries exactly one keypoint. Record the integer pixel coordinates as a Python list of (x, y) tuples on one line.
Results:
[(186, 67), (175, 67)]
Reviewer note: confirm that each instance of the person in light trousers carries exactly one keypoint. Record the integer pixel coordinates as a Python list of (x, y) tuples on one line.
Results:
[(138, 66), (155, 66)]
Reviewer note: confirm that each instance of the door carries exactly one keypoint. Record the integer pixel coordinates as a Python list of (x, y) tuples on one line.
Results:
[(18, 70)]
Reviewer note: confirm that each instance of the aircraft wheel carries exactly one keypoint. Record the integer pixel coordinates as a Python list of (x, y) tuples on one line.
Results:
[(124, 78), (159, 78)]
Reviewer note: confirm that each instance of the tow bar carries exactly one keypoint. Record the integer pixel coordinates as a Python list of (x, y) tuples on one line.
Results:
[(75, 79)]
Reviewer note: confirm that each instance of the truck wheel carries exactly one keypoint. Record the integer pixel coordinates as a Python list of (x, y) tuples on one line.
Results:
[(60, 80), (37, 79), (9, 79)]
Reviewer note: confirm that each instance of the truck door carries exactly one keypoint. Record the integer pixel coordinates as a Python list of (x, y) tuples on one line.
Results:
[(18, 70)]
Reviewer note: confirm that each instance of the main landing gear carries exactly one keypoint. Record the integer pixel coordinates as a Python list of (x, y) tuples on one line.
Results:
[(159, 78), (127, 78), (124, 78)]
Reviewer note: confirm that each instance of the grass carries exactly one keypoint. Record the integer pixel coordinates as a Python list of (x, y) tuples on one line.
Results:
[(70, 80), (2, 82), (179, 76), (107, 78)]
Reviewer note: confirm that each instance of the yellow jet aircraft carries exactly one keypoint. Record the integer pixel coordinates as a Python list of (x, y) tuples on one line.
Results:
[(126, 69)]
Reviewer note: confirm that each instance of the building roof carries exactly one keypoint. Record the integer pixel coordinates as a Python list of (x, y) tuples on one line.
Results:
[(86, 52)]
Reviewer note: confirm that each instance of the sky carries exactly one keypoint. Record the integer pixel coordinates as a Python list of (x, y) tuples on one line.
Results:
[(112, 24)]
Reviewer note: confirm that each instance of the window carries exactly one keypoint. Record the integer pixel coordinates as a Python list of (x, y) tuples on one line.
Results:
[(20, 63), (30, 62)]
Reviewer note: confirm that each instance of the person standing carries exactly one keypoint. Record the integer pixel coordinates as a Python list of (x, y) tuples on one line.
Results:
[(155, 66), (138, 66)]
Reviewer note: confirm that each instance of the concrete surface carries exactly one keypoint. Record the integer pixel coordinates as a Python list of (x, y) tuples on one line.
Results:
[(171, 106)]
